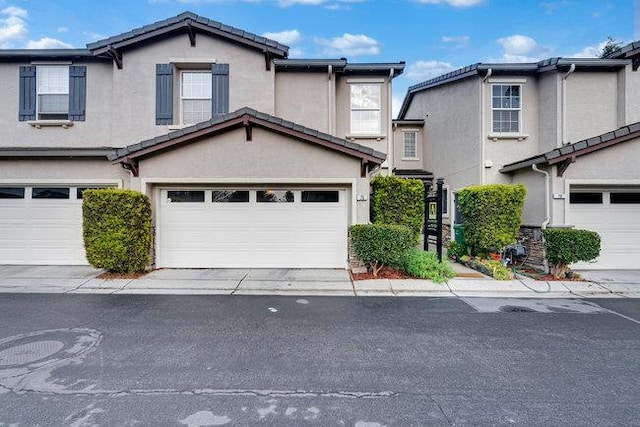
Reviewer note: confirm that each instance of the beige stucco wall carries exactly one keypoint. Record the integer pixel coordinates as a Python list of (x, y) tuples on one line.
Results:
[(549, 109), (250, 84), (500, 152), (630, 84), (592, 104), (400, 162), (62, 169), (303, 98), (451, 131), (229, 158), (94, 132), (534, 206), (343, 111)]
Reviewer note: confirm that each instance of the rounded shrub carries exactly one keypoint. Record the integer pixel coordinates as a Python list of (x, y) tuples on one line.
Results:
[(380, 244), (564, 246), (116, 228), (398, 201)]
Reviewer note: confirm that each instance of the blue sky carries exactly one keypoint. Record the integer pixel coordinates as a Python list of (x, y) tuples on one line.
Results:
[(432, 36)]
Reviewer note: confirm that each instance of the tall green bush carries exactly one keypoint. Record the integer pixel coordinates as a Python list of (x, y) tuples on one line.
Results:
[(492, 215), (565, 246), (117, 229), (398, 201), (380, 244)]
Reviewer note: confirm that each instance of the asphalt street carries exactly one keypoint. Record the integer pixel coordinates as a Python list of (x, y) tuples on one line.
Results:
[(367, 362)]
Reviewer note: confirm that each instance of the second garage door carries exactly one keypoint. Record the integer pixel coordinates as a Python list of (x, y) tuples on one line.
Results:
[(615, 214), (258, 228)]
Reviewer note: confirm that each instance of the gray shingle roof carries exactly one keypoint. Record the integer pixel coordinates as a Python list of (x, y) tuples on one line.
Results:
[(103, 152), (199, 22), (578, 148), (251, 113), (509, 68), (627, 51)]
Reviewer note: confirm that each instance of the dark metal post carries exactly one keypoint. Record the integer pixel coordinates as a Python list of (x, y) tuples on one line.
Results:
[(439, 184), (427, 187)]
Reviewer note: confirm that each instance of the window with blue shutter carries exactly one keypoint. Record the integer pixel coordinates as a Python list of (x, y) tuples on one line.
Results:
[(164, 94), (27, 94), (219, 89), (77, 93)]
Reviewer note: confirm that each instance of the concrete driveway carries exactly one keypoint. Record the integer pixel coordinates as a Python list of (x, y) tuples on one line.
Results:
[(611, 276)]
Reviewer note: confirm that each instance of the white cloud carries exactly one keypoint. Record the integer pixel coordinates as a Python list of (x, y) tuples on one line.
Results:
[(296, 52), (94, 36), (329, 4), (459, 40), (396, 104), (12, 26), (349, 44), (63, 29), (47, 43), (519, 48), (454, 3), (425, 70), (288, 37), (592, 51)]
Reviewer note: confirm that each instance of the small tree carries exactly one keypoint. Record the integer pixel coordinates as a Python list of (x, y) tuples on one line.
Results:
[(565, 246), (610, 46), (380, 244), (117, 229), (491, 215), (398, 201)]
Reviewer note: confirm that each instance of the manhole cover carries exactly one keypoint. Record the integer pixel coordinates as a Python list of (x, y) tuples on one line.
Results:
[(27, 353), (515, 309)]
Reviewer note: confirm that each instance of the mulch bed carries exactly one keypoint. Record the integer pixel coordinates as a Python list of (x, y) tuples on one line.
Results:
[(127, 276), (385, 273)]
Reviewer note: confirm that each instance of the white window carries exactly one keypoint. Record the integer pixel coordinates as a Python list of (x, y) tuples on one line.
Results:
[(52, 84), (195, 96), (507, 108), (366, 117), (410, 145)]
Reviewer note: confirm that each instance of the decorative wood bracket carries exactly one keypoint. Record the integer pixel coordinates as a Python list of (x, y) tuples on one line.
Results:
[(247, 129), (267, 60), (116, 56), (636, 63), (131, 165), (562, 166), (192, 34)]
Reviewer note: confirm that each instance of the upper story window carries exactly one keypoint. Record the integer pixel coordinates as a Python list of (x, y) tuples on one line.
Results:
[(53, 92), (410, 145), (506, 107), (366, 117), (195, 96)]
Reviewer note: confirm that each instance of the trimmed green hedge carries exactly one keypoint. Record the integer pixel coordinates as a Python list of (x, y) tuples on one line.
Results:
[(398, 201), (380, 244), (117, 229), (565, 246), (419, 263), (492, 215)]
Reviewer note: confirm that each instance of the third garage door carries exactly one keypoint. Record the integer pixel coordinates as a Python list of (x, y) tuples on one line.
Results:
[(258, 228)]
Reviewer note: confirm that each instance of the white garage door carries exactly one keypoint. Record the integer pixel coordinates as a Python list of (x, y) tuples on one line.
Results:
[(219, 228), (615, 215), (41, 225)]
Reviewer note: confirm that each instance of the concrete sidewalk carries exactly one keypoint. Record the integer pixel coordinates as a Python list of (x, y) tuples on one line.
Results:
[(298, 282)]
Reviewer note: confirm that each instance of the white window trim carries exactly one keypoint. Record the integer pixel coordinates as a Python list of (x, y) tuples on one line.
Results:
[(182, 124), (417, 157), (378, 135), (520, 135)]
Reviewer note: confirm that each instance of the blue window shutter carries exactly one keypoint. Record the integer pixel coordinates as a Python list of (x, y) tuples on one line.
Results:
[(164, 94), (27, 94), (77, 92), (220, 89)]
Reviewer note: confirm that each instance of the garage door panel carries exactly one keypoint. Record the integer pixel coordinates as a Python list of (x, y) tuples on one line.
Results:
[(253, 234), (618, 226)]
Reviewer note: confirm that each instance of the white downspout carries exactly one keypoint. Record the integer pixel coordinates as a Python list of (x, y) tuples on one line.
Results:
[(330, 107), (547, 205), (390, 122), (564, 104), (483, 125)]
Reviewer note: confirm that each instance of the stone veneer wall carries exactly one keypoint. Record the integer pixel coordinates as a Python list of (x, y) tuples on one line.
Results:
[(355, 264), (532, 240)]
